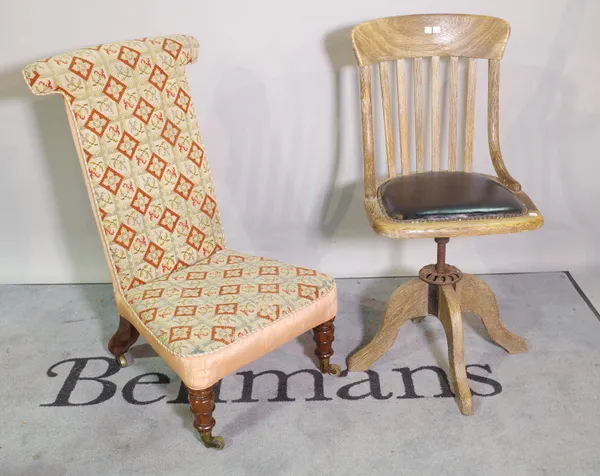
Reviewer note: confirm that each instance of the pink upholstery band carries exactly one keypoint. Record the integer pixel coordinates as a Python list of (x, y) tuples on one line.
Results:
[(202, 371)]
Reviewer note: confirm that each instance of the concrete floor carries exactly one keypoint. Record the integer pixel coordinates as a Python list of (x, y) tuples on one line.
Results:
[(535, 414), (589, 283)]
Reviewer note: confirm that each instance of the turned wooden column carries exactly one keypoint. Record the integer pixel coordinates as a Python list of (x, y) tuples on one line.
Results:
[(324, 337), (202, 403)]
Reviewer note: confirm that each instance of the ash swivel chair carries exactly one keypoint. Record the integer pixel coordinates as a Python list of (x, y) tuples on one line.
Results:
[(205, 309), (437, 203)]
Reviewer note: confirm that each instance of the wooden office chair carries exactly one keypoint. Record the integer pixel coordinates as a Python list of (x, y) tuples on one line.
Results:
[(437, 204), (205, 309)]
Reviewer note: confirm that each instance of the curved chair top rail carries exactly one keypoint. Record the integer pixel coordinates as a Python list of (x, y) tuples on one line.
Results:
[(67, 73), (413, 36)]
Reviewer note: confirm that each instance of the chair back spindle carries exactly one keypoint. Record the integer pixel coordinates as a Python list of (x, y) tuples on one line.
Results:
[(418, 105), (435, 113), (469, 116), (387, 117), (402, 117), (367, 129), (453, 112)]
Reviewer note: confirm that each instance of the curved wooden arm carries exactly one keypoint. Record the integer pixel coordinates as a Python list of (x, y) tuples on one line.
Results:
[(493, 132), (367, 130)]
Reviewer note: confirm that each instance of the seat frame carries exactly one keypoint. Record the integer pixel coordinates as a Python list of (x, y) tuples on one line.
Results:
[(442, 290)]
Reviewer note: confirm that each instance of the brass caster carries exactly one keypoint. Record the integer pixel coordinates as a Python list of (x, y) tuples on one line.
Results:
[(335, 370), (212, 442), (122, 361)]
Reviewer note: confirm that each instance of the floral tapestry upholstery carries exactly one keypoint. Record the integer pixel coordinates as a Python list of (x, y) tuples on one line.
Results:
[(222, 299), (144, 157), (206, 310)]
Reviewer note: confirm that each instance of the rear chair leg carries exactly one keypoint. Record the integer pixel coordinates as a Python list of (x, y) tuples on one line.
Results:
[(123, 339), (202, 403), (324, 338)]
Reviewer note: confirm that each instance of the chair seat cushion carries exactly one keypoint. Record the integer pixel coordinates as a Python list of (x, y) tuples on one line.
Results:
[(446, 196), (229, 309)]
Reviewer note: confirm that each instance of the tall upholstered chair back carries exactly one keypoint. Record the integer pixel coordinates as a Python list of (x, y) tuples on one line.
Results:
[(140, 148), (391, 43)]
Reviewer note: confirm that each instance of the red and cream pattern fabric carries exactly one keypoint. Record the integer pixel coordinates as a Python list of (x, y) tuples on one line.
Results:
[(144, 156), (222, 299), (198, 304)]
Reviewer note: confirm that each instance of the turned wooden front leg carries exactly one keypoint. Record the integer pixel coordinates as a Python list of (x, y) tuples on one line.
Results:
[(202, 403), (324, 337)]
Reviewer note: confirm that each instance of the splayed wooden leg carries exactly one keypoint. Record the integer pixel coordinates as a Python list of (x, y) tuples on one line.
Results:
[(444, 291), (451, 318), (477, 297), (408, 301)]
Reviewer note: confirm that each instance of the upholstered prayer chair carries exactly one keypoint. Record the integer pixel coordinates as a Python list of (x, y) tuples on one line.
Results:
[(426, 201), (205, 309)]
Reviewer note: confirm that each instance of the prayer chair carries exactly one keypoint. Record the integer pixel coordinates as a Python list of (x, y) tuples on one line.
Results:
[(205, 309)]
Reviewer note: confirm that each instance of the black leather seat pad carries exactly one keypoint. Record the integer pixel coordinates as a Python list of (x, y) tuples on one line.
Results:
[(446, 196)]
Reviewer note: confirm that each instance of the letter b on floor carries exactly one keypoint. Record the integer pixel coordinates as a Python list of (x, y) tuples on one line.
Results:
[(106, 387)]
